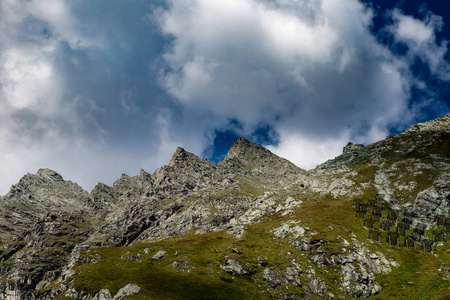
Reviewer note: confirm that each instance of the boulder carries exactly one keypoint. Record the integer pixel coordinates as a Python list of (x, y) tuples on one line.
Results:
[(159, 255), (128, 290)]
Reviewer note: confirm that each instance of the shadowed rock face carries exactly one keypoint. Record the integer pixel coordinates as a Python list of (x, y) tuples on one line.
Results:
[(47, 222)]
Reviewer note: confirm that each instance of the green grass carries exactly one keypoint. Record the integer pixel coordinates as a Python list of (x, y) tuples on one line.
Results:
[(249, 188), (205, 253), (417, 278), (159, 279)]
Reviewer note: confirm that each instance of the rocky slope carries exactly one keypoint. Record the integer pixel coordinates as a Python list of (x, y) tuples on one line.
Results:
[(370, 223)]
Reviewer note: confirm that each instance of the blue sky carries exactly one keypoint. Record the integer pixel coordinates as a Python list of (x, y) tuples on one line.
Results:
[(97, 89)]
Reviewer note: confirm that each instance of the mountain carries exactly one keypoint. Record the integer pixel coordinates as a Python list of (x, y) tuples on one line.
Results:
[(370, 223)]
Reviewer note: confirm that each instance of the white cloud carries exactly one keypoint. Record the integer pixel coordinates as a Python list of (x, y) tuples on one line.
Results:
[(27, 80), (257, 62), (408, 28), (307, 152), (420, 37)]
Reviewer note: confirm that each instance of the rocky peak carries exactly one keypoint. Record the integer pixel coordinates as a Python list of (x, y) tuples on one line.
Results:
[(36, 195), (244, 149), (48, 174), (29, 181), (123, 182), (252, 161), (184, 169), (144, 176), (440, 124), (100, 188), (352, 148), (44, 181), (183, 159), (180, 155)]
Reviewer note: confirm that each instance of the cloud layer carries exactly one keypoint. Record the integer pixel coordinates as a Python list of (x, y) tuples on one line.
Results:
[(312, 69), (97, 89), (77, 92)]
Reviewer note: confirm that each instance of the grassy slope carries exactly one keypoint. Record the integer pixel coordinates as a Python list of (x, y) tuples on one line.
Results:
[(205, 253)]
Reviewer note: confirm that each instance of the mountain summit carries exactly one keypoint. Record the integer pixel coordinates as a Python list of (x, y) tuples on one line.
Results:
[(372, 222), (244, 149)]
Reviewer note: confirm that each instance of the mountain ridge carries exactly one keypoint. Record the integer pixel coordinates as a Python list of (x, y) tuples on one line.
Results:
[(255, 222), (439, 124)]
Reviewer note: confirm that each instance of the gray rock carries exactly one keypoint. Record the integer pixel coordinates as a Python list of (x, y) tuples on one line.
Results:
[(236, 250), (440, 124), (104, 294), (306, 244), (358, 283), (159, 255), (128, 290), (317, 286), (238, 231), (292, 275), (71, 293), (234, 267), (272, 279), (292, 271), (352, 148), (320, 260), (288, 229), (429, 204)]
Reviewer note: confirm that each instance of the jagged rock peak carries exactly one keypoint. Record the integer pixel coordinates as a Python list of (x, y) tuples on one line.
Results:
[(49, 174), (181, 157), (144, 176), (42, 177), (243, 147), (122, 182), (180, 154), (100, 187), (439, 124), (143, 173)]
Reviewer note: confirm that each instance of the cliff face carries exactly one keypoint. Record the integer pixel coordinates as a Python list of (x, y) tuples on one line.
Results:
[(359, 225)]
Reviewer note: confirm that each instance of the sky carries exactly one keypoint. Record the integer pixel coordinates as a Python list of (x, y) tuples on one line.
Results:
[(94, 89)]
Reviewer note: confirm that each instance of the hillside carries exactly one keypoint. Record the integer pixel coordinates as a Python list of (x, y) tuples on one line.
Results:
[(371, 223)]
